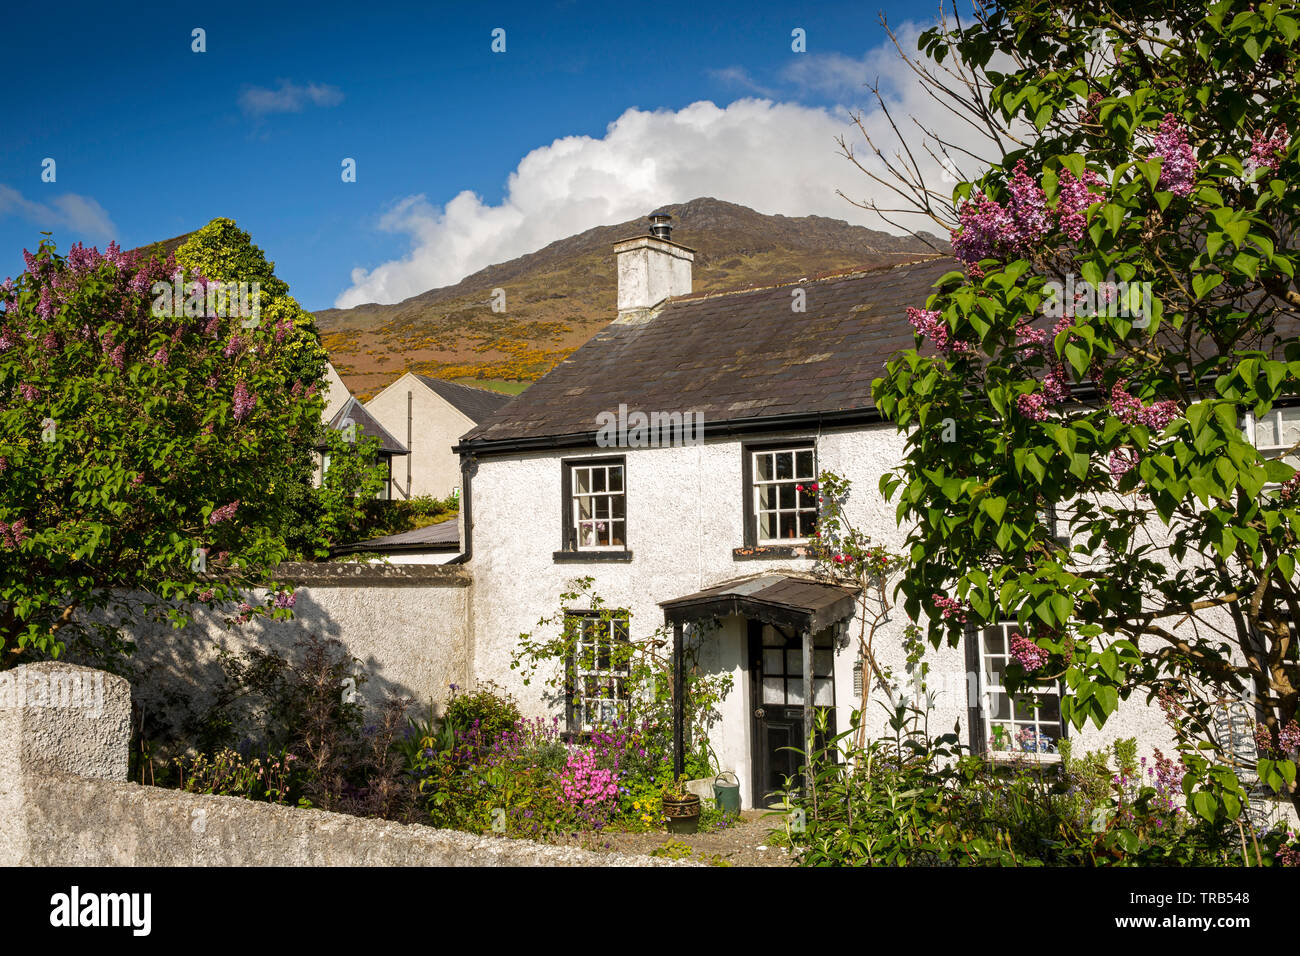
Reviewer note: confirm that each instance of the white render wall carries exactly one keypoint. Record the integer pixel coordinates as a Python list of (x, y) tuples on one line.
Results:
[(685, 516)]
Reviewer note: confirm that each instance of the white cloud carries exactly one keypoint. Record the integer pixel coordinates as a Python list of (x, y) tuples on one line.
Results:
[(79, 214), (775, 157), (289, 98)]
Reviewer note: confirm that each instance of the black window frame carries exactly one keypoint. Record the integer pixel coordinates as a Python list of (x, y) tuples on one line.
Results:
[(747, 450), (569, 550)]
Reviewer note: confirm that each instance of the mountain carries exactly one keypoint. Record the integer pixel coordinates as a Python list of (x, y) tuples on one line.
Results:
[(562, 294)]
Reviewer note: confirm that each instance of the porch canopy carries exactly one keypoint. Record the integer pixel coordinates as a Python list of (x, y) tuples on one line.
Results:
[(788, 601)]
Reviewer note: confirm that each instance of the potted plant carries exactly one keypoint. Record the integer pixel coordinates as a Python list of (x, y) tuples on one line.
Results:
[(681, 807)]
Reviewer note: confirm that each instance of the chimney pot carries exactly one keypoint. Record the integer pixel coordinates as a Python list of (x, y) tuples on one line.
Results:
[(661, 226)]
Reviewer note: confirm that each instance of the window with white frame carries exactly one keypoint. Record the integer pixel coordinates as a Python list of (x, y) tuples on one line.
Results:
[(1024, 722), (598, 671), (784, 502), (1276, 434), (596, 510)]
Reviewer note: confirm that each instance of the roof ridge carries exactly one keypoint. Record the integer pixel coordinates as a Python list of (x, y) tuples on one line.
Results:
[(849, 273)]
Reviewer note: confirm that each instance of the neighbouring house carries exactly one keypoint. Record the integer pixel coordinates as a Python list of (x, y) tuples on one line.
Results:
[(356, 423), (335, 393), (700, 512), (429, 415)]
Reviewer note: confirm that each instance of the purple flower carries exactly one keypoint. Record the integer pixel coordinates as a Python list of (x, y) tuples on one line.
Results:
[(1266, 153), (1178, 171), (224, 513), (243, 402), (930, 325), (1027, 654)]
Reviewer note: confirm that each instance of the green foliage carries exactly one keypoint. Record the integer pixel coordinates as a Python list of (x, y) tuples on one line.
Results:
[(1138, 445), (136, 445), (489, 709), (289, 729), (647, 662), (915, 800)]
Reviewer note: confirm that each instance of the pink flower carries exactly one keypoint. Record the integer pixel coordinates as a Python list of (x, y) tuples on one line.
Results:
[(950, 608), (1027, 654), (234, 347), (160, 357), (1027, 208), (1073, 201), (1032, 406), (1131, 411), (931, 325), (29, 392), (224, 513), (1266, 153), (1178, 171), (13, 534), (1122, 461)]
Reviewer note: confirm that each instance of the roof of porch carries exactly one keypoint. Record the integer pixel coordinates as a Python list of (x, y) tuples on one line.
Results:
[(785, 600)]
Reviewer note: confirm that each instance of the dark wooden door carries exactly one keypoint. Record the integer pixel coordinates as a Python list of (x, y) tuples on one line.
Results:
[(776, 695)]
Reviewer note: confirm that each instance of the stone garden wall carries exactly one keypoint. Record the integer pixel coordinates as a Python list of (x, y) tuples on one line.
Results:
[(64, 801)]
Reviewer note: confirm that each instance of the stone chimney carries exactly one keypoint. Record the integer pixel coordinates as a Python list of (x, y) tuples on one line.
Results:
[(651, 269)]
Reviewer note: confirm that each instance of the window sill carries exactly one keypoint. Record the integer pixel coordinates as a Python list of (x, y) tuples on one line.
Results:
[(1012, 758), (593, 557), (767, 552)]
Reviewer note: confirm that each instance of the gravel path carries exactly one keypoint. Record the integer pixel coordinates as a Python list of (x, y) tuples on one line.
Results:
[(744, 843)]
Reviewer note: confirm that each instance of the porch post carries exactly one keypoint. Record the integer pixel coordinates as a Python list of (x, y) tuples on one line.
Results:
[(679, 704), (807, 705)]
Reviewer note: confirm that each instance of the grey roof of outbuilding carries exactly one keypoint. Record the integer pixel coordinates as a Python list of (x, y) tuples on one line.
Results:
[(476, 404), (731, 356), (444, 536), (367, 425)]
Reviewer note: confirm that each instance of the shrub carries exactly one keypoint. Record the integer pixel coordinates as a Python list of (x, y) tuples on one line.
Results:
[(489, 710)]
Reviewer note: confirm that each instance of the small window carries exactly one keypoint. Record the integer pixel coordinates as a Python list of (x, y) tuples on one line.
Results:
[(595, 506), (1277, 434), (1024, 722), (783, 503), (597, 675)]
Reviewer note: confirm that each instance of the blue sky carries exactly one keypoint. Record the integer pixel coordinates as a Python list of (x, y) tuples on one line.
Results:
[(152, 139)]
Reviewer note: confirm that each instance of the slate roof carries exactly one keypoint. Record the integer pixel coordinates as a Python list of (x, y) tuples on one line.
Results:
[(475, 404), (444, 536), (367, 426), (731, 356)]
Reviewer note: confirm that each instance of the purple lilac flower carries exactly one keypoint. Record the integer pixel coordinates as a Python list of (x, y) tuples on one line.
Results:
[(243, 402), (224, 513), (1266, 153), (1178, 171), (1027, 654)]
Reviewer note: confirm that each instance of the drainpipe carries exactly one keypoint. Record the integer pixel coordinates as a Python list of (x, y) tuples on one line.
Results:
[(468, 465), (410, 453)]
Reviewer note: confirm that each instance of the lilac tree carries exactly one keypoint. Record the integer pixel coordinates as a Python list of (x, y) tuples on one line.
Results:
[(143, 449), (1119, 339)]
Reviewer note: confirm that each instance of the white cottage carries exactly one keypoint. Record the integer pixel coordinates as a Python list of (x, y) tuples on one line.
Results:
[(684, 524)]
